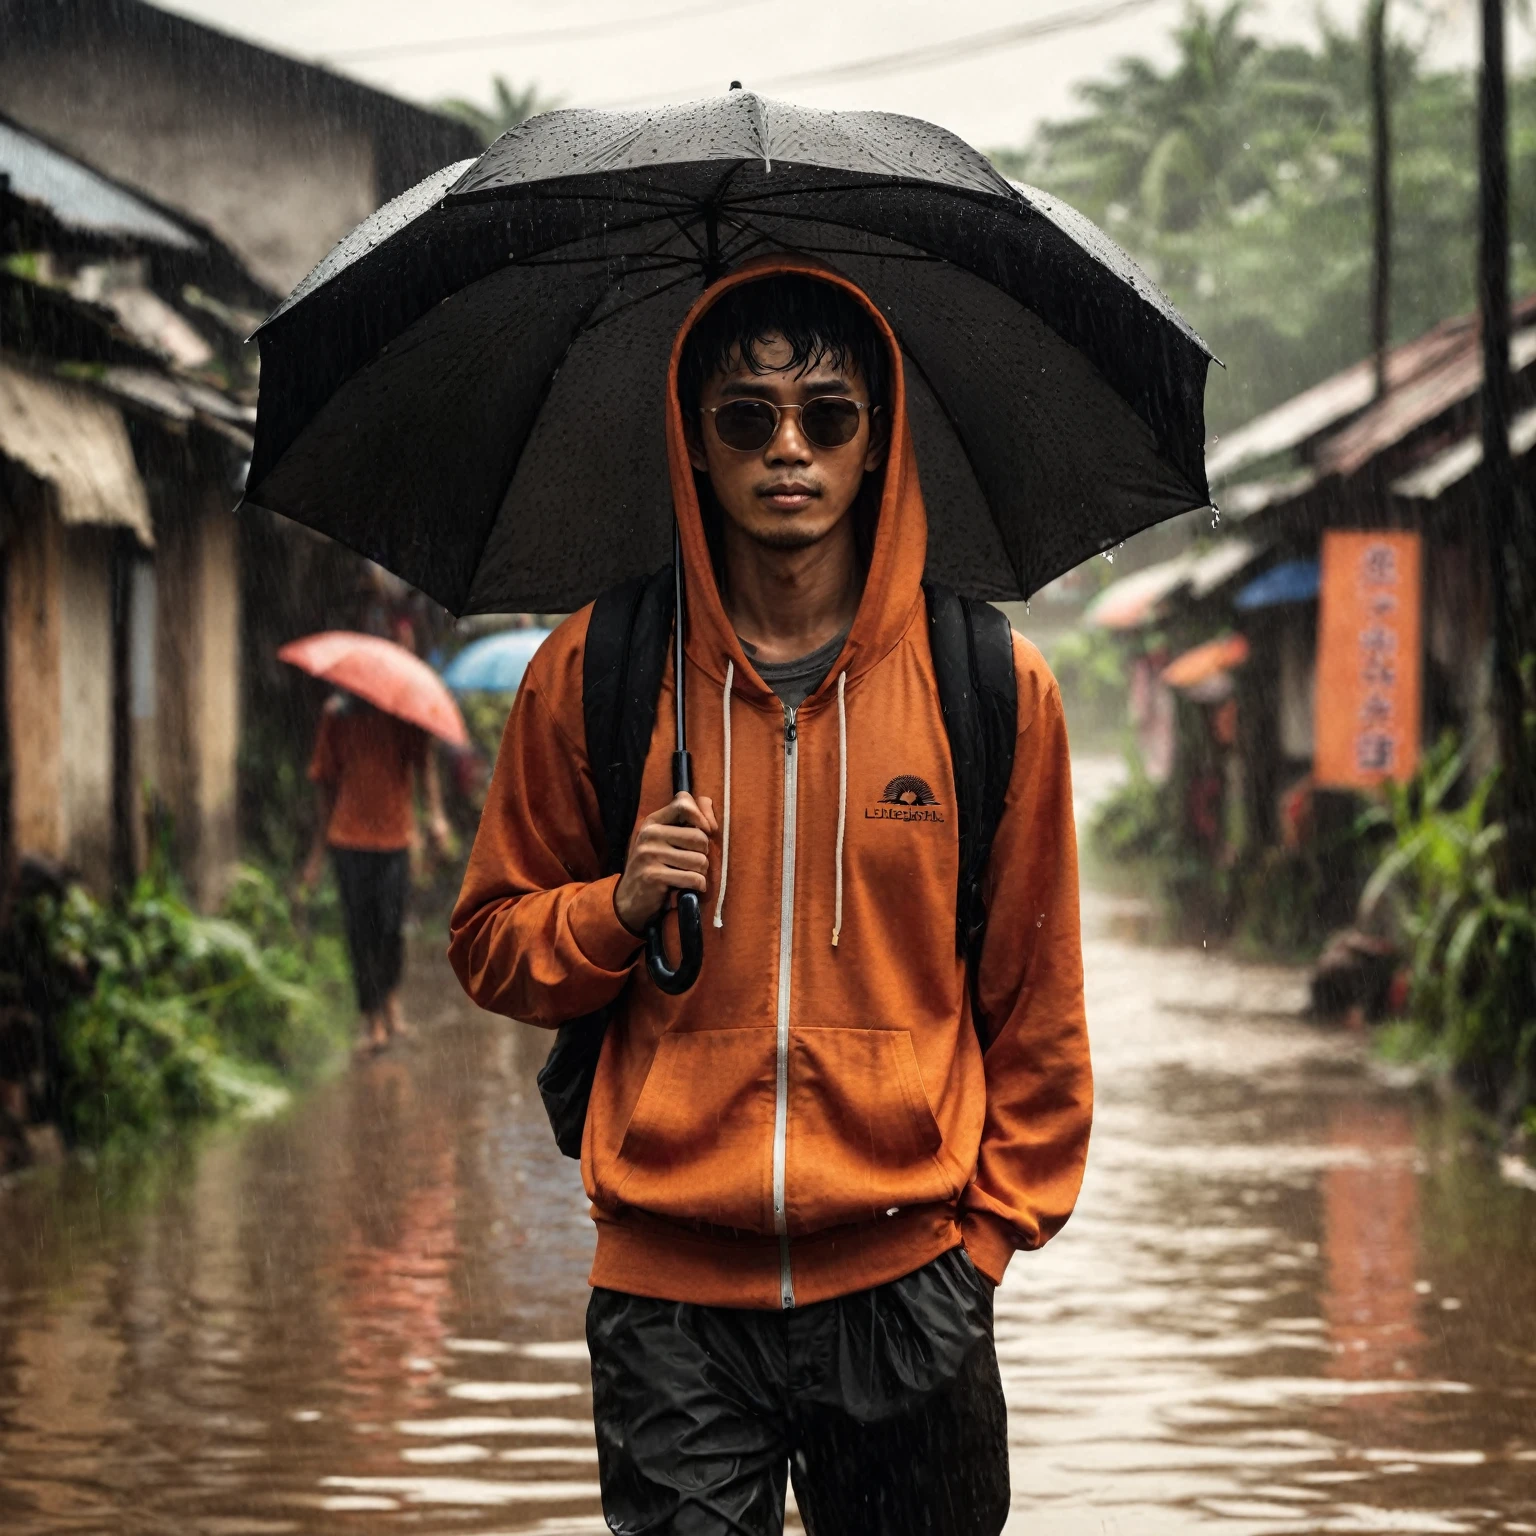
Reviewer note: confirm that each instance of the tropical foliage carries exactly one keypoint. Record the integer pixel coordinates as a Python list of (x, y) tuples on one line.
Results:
[(164, 1016), (509, 106), (1089, 666), (1472, 947), (1239, 175)]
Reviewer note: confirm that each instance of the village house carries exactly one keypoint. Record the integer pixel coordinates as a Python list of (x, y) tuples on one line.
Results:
[(161, 186), (1338, 457)]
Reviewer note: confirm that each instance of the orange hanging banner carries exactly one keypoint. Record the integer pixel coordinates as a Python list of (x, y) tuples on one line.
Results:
[(1369, 659)]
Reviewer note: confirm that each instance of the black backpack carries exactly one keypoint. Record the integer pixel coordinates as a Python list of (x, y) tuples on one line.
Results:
[(626, 655)]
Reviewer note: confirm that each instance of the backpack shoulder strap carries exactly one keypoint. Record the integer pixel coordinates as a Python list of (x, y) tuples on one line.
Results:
[(972, 646), (622, 668)]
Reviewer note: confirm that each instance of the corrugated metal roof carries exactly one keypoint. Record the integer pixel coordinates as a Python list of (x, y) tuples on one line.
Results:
[(82, 198), (1131, 601), (1403, 411), (1255, 496), (1432, 480), (1424, 377), (68, 436), (179, 401), (1335, 400), (1217, 566), (1139, 598)]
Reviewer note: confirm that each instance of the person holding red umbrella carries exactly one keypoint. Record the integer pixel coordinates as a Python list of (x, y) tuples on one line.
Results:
[(372, 753)]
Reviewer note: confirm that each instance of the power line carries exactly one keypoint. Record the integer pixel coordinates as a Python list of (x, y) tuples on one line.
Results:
[(964, 47), (543, 35), (934, 55)]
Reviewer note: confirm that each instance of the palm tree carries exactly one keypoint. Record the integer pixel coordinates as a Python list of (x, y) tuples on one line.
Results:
[(509, 107), (1174, 148)]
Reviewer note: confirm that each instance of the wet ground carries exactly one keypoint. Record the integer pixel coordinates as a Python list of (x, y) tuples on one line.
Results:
[(1292, 1300)]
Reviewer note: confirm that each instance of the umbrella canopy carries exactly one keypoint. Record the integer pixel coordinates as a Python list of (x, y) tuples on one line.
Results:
[(385, 674), (495, 664), (1292, 581), (1205, 662), (469, 388)]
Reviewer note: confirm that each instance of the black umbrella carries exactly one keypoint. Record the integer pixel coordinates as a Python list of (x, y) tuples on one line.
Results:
[(469, 388)]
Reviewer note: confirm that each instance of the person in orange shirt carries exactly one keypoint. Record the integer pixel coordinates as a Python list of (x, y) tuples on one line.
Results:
[(365, 767), (808, 1171)]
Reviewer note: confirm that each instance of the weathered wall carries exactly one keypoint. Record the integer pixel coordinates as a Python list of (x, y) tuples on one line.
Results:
[(31, 675), (279, 187), (197, 713), (85, 695), (277, 156), (59, 690)]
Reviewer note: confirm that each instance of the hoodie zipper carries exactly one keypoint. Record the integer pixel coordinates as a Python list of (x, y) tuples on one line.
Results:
[(786, 938)]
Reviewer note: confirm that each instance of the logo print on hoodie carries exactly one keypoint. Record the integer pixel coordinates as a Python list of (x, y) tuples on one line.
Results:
[(906, 798)]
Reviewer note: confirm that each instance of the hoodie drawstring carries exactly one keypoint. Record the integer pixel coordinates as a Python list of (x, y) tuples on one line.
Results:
[(725, 834), (842, 803)]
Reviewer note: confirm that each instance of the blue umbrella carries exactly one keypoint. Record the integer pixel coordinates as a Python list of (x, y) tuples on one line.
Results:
[(1292, 581), (495, 664)]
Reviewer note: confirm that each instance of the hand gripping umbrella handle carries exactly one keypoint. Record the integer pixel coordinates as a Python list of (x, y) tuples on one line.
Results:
[(674, 980)]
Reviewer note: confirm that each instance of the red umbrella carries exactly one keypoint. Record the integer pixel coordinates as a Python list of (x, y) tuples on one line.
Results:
[(1206, 661), (385, 674)]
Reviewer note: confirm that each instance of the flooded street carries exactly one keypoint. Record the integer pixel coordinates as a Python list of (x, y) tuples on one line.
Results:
[(1286, 1303)]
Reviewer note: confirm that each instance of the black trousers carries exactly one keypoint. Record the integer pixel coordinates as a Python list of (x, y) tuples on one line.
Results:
[(373, 891), (885, 1407)]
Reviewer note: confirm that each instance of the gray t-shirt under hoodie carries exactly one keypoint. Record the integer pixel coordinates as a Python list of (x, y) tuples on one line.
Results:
[(795, 681)]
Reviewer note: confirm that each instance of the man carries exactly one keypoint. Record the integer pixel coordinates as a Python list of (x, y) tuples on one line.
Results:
[(363, 768), (806, 1177)]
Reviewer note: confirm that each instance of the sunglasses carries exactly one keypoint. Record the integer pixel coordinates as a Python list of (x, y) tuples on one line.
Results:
[(828, 421)]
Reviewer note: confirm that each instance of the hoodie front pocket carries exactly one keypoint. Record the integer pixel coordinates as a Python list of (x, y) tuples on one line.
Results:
[(699, 1145), (862, 1135)]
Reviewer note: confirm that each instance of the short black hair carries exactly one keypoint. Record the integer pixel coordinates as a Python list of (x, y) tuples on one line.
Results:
[(822, 322)]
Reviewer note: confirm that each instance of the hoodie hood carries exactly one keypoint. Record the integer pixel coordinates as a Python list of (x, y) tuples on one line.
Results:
[(893, 584)]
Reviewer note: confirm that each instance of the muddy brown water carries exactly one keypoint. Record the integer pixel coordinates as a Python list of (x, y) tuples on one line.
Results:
[(1292, 1299)]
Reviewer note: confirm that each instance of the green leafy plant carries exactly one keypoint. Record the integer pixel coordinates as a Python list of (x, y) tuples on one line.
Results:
[(166, 1016), (1472, 947), (1090, 669), (1134, 822), (1238, 173), (485, 715), (509, 106)]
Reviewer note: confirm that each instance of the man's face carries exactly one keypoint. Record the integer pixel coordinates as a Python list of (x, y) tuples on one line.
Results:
[(791, 493)]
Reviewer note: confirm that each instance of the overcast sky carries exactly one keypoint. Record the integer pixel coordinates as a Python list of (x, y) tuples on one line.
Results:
[(988, 69)]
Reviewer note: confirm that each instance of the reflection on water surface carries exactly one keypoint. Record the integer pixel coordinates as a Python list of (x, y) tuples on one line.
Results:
[(1286, 1304)]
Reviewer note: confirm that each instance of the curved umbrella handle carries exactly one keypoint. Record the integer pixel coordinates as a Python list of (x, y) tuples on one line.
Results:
[(674, 980)]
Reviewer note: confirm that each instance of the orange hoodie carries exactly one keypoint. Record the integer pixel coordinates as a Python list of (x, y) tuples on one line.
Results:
[(815, 1116)]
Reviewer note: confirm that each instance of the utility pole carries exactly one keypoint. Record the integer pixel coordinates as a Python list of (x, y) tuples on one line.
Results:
[(1506, 540), (1381, 188)]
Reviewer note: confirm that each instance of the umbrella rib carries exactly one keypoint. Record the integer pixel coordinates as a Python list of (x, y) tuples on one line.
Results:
[(740, 252), (616, 229), (643, 261), (685, 229), (888, 184), (733, 169), (538, 258), (819, 218), (589, 325), (525, 193), (745, 225), (619, 199)]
